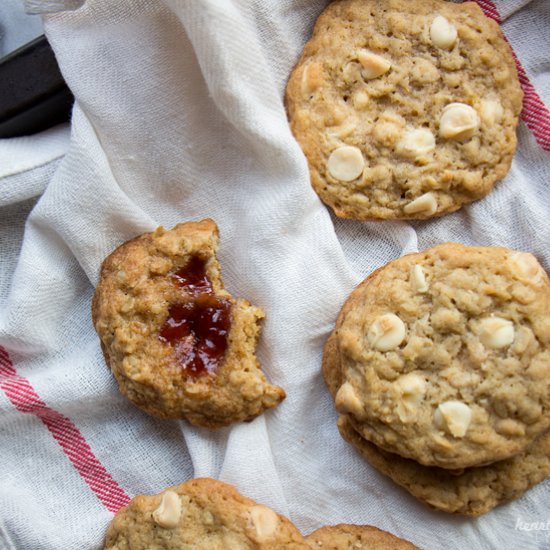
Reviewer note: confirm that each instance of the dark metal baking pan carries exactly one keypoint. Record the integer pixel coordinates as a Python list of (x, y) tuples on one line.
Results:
[(33, 94)]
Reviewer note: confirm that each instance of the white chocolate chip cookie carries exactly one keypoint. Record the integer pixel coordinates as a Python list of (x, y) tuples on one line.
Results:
[(404, 110), (443, 356), (473, 491), (356, 537), (204, 514)]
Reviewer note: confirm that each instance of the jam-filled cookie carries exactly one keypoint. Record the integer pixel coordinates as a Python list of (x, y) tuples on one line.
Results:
[(443, 356), (404, 109), (354, 537), (203, 514), (179, 345)]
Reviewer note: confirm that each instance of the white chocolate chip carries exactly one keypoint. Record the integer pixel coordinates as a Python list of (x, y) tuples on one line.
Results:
[(415, 143), (311, 77), (425, 204), (496, 332), (411, 389), (491, 111), (442, 33), (346, 163), (344, 130), (387, 332), (346, 400), (168, 512), (418, 279), (351, 72), (459, 121), (525, 266), (265, 522), (373, 65), (360, 100), (454, 417)]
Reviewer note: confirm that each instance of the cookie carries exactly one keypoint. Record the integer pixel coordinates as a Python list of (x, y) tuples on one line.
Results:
[(404, 110), (472, 492), (178, 344), (354, 537), (203, 514), (443, 356)]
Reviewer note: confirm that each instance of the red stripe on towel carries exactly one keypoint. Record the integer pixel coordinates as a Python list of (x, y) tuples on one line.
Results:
[(535, 114), (489, 9), (25, 399)]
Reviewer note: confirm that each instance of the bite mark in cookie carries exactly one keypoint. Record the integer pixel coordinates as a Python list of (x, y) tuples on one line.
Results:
[(179, 345)]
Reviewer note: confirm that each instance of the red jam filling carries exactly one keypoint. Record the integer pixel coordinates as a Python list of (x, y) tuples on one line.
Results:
[(197, 329), (193, 278)]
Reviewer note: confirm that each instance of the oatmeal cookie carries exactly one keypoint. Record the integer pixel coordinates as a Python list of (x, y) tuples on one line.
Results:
[(355, 537), (203, 514), (179, 345), (404, 109), (443, 356), (473, 491)]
